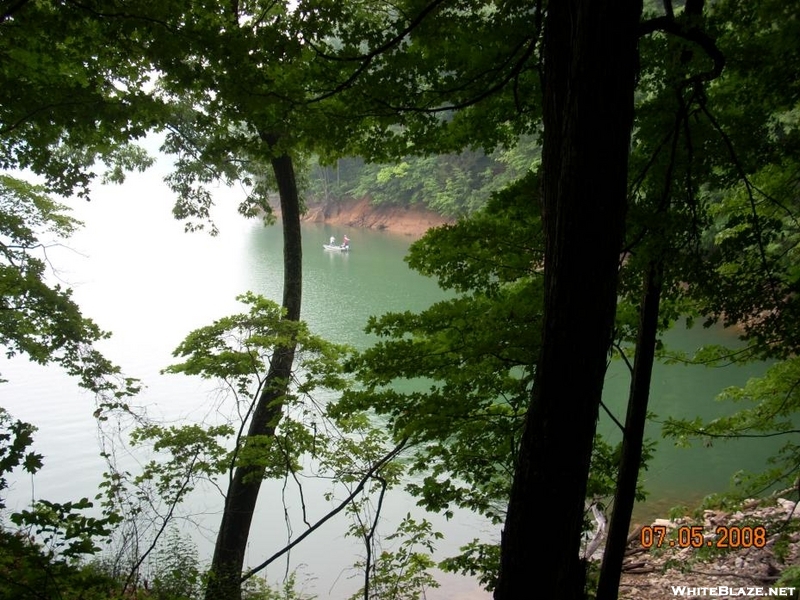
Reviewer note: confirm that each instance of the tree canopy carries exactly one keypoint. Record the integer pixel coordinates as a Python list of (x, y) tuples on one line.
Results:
[(665, 187)]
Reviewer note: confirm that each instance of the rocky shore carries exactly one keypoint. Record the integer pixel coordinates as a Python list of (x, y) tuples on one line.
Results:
[(742, 553), (360, 213)]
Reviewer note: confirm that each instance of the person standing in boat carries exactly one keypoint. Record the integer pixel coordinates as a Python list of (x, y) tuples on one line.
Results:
[(346, 243), (333, 240)]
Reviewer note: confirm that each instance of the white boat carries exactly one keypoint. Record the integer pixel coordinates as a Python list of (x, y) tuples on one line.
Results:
[(336, 248)]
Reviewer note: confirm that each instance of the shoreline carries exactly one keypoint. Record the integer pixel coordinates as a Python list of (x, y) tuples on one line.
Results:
[(412, 222), (729, 551)]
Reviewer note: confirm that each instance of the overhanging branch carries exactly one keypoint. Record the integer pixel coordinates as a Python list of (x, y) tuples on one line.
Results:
[(691, 34), (357, 490)]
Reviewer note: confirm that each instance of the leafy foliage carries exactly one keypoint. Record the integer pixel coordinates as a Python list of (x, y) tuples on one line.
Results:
[(453, 185), (236, 349), (15, 439), (40, 557), (37, 319), (749, 244), (257, 589), (177, 572), (72, 93), (237, 84), (195, 452), (771, 403), (456, 377), (29, 573), (403, 573), (413, 78), (477, 559), (465, 387), (62, 529)]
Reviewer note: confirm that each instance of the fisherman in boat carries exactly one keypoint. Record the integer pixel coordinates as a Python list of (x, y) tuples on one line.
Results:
[(346, 243), (333, 240)]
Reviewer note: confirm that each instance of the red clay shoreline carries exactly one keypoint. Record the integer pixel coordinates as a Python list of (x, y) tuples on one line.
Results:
[(413, 222)]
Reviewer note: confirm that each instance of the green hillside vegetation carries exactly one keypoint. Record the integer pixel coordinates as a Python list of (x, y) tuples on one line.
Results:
[(452, 185), (615, 168)]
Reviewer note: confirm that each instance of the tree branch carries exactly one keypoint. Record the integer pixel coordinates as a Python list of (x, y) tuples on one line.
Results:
[(361, 484), (165, 521), (695, 35)]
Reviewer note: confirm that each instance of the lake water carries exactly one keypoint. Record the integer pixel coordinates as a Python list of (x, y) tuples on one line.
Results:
[(138, 275)]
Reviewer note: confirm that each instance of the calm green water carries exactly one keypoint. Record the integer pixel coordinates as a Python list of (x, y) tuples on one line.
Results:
[(683, 476), (136, 273)]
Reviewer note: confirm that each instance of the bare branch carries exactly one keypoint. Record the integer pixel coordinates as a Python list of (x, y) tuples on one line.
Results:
[(357, 490)]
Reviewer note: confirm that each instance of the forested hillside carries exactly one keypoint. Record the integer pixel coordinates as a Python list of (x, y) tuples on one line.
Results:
[(612, 168), (452, 185)]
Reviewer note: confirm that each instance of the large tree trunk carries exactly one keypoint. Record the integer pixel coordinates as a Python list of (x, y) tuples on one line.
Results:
[(632, 442), (240, 502), (590, 60)]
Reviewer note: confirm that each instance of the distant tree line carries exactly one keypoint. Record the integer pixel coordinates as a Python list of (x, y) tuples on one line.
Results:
[(667, 189), (453, 185)]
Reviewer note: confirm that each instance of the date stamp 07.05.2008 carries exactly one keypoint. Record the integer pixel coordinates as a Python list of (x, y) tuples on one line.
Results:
[(724, 537)]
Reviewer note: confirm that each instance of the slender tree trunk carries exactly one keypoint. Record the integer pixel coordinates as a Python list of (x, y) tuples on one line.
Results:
[(240, 502), (646, 337), (292, 238), (632, 442), (590, 59)]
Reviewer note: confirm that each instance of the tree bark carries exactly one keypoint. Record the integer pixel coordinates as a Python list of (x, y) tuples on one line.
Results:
[(632, 441), (590, 58), (240, 501)]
